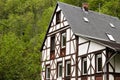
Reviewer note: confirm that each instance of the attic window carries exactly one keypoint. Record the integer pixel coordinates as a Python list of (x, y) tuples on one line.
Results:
[(85, 19), (111, 25), (110, 37), (58, 15)]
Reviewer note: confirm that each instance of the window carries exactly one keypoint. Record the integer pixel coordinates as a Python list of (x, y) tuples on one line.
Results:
[(99, 63), (85, 19), (68, 68), (58, 15), (113, 26), (110, 37), (52, 43), (47, 72), (84, 65), (59, 70), (63, 40)]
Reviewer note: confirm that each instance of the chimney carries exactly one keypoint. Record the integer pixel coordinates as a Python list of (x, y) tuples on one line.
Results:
[(85, 6)]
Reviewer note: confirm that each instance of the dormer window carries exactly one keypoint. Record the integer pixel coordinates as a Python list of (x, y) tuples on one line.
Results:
[(85, 19), (58, 15), (53, 43), (110, 37), (63, 40), (113, 26)]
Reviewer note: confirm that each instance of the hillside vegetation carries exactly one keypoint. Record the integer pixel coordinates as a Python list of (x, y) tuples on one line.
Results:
[(23, 24)]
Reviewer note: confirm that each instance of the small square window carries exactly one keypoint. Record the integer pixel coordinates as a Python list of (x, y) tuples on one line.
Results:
[(58, 15), (47, 72), (68, 68), (63, 40), (59, 70), (110, 37)]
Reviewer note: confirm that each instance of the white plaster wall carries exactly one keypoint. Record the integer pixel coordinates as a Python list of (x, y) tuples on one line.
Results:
[(57, 51), (81, 40), (59, 59), (103, 61), (88, 64), (65, 23), (93, 63), (68, 34), (73, 46), (67, 57), (43, 75), (83, 49), (79, 66), (48, 42), (73, 70), (67, 48), (111, 77), (73, 60), (57, 39), (95, 47), (48, 54), (47, 62)]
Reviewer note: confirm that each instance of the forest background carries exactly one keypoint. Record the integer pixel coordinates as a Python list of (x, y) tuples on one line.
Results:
[(23, 24)]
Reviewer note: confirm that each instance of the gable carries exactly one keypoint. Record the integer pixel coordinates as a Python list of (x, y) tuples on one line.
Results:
[(54, 27)]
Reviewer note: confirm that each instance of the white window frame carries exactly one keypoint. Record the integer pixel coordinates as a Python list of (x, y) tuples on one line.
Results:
[(59, 64), (98, 56), (110, 37), (67, 62), (63, 34), (47, 77), (84, 59)]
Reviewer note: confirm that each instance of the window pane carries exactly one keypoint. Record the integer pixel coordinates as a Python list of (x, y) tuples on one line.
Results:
[(58, 17), (99, 64), (85, 66), (53, 43), (68, 69), (47, 72), (63, 42), (60, 71)]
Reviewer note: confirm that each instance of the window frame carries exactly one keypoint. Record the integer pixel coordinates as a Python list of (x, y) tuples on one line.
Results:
[(52, 42), (58, 69), (66, 74), (97, 63), (84, 59), (46, 72), (58, 17), (62, 41)]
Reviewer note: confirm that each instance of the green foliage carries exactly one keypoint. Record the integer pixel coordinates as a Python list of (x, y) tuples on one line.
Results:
[(23, 24)]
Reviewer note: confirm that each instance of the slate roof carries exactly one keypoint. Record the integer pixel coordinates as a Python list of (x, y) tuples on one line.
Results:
[(97, 27)]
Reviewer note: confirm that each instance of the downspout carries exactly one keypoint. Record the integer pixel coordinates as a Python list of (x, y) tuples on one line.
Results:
[(116, 52)]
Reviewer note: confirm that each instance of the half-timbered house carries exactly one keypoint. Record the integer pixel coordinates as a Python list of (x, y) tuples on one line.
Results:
[(81, 44)]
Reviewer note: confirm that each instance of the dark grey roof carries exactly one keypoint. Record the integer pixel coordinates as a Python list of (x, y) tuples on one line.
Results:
[(96, 28)]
